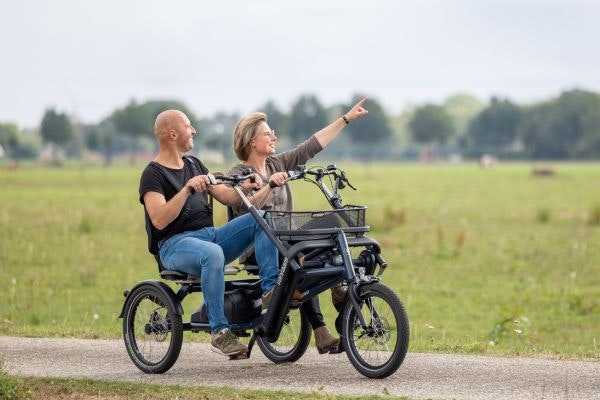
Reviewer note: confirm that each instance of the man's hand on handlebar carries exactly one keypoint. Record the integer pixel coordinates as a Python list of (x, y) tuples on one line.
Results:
[(199, 183)]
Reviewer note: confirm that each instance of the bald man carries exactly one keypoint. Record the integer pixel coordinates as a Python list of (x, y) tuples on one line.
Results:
[(182, 224)]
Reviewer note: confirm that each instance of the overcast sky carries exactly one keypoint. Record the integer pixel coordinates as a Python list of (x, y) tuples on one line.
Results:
[(87, 58)]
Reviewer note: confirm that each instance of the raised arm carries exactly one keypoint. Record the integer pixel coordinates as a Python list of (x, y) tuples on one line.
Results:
[(327, 134)]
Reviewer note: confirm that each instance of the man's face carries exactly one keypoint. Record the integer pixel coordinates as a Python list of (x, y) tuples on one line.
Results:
[(185, 133)]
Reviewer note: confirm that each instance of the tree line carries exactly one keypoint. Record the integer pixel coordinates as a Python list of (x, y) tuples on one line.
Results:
[(563, 128)]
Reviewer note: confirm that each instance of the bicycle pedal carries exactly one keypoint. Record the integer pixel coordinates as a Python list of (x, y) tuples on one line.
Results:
[(337, 349), (239, 356)]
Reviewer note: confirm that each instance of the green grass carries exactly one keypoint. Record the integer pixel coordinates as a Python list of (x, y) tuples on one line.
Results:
[(10, 386), (55, 388), (492, 261)]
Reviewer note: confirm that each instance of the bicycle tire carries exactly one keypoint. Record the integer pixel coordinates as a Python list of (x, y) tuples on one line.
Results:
[(293, 339), (152, 330), (378, 351)]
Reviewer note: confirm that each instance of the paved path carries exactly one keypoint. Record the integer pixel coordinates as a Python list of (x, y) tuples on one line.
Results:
[(434, 376)]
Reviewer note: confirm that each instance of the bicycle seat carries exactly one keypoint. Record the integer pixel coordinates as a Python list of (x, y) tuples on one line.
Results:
[(172, 275)]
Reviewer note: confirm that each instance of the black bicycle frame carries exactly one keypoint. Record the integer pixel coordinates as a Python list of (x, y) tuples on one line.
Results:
[(289, 273)]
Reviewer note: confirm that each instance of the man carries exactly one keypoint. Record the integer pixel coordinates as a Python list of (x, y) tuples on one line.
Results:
[(182, 224)]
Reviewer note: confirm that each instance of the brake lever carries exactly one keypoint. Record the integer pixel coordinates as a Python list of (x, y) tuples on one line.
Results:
[(349, 184), (212, 180), (345, 179)]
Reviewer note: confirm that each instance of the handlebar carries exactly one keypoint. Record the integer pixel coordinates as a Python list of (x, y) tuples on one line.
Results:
[(340, 176), (300, 172), (233, 179)]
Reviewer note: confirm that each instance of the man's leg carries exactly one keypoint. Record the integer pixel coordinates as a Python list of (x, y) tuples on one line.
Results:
[(236, 235), (190, 252)]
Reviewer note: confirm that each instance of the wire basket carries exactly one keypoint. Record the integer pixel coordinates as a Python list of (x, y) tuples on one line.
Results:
[(303, 225)]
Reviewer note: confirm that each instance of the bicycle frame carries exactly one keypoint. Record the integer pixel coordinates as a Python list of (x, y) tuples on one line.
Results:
[(290, 269)]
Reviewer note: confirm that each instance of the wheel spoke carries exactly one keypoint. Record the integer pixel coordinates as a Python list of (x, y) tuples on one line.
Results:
[(378, 349), (153, 337), (292, 341)]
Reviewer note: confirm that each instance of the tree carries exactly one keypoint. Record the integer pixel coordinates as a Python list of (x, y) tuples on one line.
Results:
[(10, 136), (136, 121), (278, 121), (307, 117), (101, 138), (462, 108), (565, 128), (218, 132), (56, 128), (157, 106), (495, 128), (371, 131), (431, 124), (57, 131)]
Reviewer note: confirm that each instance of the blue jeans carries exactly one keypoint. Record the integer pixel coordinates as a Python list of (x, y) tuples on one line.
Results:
[(205, 252)]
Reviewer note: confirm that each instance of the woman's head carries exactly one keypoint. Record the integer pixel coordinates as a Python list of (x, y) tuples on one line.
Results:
[(248, 131)]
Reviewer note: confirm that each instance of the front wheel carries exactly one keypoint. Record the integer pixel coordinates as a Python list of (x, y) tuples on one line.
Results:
[(378, 350), (152, 330), (293, 339)]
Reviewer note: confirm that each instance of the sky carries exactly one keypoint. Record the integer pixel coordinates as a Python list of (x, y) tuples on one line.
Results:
[(87, 58)]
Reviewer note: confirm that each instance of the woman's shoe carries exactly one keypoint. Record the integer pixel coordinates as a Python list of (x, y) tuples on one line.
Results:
[(338, 295), (324, 340)]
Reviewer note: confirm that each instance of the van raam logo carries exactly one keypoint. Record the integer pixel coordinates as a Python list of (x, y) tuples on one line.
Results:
[(319, 214), (281, 275)]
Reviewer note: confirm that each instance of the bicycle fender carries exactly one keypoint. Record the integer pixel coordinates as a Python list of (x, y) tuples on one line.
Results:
[(162, 287)]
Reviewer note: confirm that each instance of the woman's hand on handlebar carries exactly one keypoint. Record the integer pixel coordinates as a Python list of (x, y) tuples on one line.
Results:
[(278, 179)]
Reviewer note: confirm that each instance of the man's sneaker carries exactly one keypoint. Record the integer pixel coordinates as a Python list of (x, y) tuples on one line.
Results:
[(266, 300), (226, 343)]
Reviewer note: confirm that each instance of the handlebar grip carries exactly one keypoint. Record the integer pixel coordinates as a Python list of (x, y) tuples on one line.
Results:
[(380, 260), (272, 184)]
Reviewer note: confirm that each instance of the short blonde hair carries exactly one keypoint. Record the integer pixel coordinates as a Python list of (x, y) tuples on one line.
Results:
[(243, 133)]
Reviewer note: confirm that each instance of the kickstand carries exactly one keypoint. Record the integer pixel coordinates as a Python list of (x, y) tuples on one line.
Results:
[(251, 343)]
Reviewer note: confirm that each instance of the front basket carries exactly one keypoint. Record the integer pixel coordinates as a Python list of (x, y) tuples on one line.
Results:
[(290, 225)]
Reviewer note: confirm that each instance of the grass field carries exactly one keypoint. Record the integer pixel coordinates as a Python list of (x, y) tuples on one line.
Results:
[(490, 261)]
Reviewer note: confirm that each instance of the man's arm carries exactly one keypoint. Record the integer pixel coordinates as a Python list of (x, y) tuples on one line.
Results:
[(162, 212)]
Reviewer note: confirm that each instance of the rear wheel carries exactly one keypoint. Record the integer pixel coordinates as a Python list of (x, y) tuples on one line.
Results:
[(152, 330), (293, 339), (378, 350)]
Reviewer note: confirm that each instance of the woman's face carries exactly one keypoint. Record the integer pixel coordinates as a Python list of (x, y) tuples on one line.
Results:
[(264, 141)]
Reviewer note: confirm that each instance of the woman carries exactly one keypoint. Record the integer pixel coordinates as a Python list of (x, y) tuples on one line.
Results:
[(254, 145)]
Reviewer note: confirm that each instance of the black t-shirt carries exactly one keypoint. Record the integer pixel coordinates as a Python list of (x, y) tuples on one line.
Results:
[(196, 212)]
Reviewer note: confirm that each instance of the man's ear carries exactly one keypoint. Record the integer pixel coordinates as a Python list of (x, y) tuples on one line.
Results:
[(172, 134)]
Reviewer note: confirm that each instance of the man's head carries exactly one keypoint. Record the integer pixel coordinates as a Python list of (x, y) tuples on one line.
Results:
[(173, 128)]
